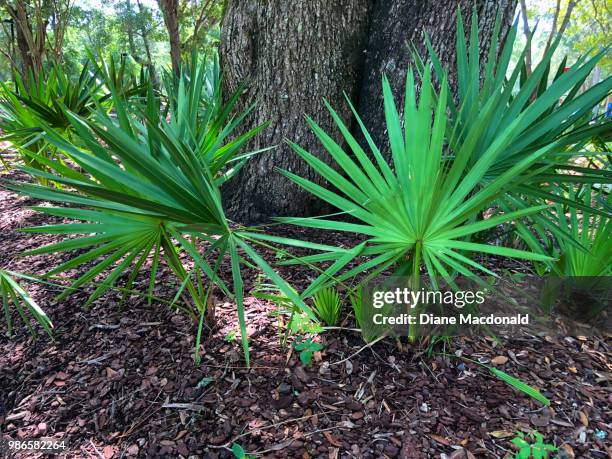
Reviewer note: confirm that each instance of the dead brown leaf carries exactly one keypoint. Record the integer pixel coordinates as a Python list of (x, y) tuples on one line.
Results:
[(584, 419), (567, 449), (110, 373), (499, 360), (440, 439), (108, 452)]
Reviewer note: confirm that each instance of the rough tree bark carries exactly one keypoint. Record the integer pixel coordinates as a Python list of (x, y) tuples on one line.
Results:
[(28, 51), (296, 53), (293, 54), (395, 24)]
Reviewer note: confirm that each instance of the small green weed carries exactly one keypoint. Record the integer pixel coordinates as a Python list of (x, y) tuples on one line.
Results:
[(536, 450), (239, 452), (307, 348)]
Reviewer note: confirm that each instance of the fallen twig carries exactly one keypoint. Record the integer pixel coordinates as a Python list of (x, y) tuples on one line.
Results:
[(363, 348)]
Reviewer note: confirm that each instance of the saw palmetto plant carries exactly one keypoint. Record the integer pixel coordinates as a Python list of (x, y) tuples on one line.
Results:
[(420, 210), (553, 107), (25, 107), (147, 189), (50, 97), (591, 254), (495, 148)]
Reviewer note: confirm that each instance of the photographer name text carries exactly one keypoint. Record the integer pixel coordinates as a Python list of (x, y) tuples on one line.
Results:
[(461, 319)]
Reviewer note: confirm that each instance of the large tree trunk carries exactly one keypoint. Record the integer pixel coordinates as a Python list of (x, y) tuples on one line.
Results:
[(293, 54), (396, 24)]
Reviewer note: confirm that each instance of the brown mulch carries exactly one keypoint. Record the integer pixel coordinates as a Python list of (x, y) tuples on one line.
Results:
[(120, 381)]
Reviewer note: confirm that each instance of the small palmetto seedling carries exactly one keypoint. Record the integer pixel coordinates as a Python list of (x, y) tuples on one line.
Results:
[(12, 292), (356, 300), (327, 305), (363, 317)]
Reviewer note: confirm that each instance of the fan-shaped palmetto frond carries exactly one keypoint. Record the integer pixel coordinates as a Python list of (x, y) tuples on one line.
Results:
[(554, 108), (423, 207), (149, 187), (591, 230), (23, 108)]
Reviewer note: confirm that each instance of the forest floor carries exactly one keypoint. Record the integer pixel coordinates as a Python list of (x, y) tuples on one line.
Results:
[(121, 382)]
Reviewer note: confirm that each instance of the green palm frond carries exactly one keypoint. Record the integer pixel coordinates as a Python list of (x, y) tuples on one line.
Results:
[(420, 208), (587, 249), (551, 108), (13, 293)]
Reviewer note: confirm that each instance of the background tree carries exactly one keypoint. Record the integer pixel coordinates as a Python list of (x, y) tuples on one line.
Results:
[(560, 20), (200, 21), (33, 20), (589, 28), (185, 22), (170, 10), (584, 26), (138, 25), (105, 28), (294, 54)]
